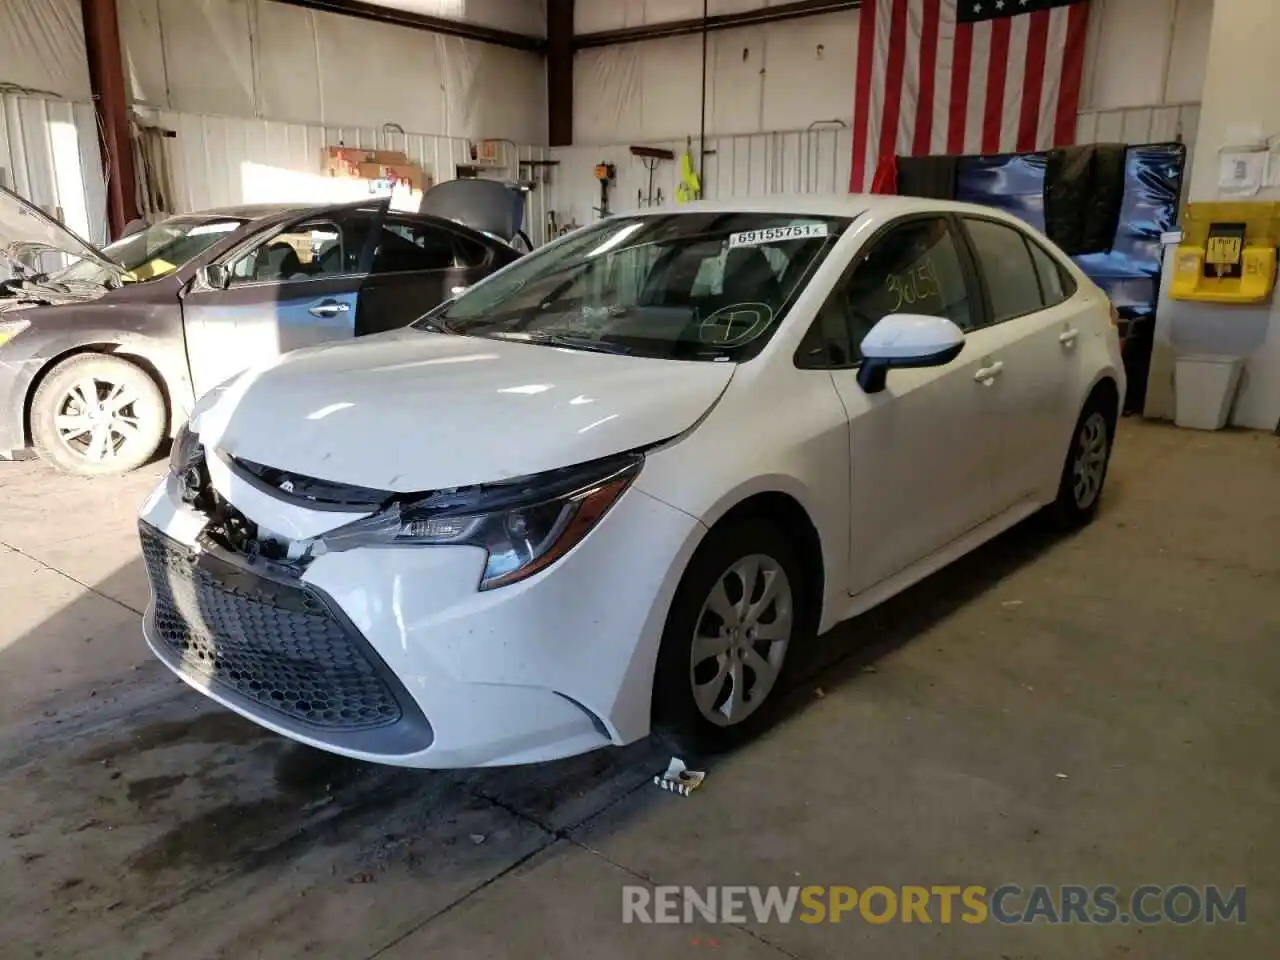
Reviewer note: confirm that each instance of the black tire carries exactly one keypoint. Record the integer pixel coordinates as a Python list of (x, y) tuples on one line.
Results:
[(132, 435), (676, 713), (1090, 450)]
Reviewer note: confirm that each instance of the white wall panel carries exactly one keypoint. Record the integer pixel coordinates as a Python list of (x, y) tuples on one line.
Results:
[(208, 55), (42, 47), (1146, 51), (49, 155), (519, 16), (259, 58), (592, 16), (774, 76)]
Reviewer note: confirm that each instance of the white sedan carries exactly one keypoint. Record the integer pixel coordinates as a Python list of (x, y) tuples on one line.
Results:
[(615, 486)]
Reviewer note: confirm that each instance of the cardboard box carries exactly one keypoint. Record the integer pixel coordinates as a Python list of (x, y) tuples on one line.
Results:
[(345, 161), (396, 172)]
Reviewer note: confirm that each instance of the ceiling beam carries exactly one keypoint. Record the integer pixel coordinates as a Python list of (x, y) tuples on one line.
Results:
[(422, 21), (792, 10)]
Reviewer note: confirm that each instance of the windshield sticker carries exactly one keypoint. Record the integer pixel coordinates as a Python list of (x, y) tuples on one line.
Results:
[(797, 231), (735, 325)]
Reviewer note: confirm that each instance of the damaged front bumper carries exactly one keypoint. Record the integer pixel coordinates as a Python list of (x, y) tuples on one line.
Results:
[(449, 676)]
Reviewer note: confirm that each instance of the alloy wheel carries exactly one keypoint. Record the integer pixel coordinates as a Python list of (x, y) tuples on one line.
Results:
[(97, 420), (1090, 463), (741, 639)]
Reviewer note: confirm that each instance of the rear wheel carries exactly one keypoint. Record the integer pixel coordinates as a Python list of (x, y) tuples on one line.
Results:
[(1085, 471), (97, 415), (732, 624)]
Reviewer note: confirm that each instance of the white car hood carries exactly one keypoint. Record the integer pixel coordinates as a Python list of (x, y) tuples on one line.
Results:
[(413, 411)]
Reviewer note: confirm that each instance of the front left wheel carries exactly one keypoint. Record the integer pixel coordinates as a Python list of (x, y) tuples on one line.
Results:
[(97, 415), (729, 637)]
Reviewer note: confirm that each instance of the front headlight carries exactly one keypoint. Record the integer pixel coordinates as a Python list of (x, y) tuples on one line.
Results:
[(523, 526)]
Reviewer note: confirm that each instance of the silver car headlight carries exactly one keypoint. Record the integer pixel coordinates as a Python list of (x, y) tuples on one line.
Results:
[(523, 525)]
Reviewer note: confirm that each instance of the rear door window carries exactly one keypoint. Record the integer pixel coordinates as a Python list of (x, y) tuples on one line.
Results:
[(1004, 258)]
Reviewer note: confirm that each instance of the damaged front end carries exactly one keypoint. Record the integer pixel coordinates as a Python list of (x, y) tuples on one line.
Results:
[(27, 236), (523, 525)]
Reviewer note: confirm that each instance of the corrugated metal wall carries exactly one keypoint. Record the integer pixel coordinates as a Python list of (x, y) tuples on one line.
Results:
[(210, 154), (49, 155), (816, 160)]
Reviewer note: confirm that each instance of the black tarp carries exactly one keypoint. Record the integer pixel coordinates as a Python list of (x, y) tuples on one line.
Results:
[(1083, 191), (933, 177)]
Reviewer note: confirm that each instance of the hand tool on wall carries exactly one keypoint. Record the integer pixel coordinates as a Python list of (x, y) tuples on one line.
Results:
[(606, 173), (651, 157)]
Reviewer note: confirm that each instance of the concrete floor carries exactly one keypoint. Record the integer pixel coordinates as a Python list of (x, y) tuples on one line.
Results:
[(1141, 658)]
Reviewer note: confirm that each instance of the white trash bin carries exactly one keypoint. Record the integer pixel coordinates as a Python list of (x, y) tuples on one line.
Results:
[(1204, 389)]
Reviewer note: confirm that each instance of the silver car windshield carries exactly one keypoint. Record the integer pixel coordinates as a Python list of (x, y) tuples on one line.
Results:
[(688, 286)]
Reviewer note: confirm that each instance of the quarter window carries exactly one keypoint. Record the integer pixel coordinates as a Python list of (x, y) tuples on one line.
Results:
[(1012, 280), (913, 268), (1055, 285)]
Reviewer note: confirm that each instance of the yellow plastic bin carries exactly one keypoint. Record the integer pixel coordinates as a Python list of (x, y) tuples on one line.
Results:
[(1204, 389)]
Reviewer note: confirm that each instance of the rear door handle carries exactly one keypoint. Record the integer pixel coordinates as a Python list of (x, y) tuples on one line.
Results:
[(329, 308), (456, 291), (1068, 337), (987, 375)]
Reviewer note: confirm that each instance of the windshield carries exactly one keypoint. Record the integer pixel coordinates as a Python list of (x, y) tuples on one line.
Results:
[(156, 251), (687, 286)]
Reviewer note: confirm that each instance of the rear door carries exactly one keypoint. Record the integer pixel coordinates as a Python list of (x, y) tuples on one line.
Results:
[(1034, 328), (295, 284), (418, 262)]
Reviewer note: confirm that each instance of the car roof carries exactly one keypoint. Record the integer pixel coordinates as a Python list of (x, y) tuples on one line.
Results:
[(248, 211), (830, 204)]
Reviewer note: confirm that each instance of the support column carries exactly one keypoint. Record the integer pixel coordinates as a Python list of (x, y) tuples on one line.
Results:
[(111, 100), (560, 72)]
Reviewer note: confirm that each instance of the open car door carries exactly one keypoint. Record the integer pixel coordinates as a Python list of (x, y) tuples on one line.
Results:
[(294, 283)]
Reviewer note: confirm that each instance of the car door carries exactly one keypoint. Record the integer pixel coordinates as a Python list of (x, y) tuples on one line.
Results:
[(922, 448), (294, 284), (419, 262), (1035, 329)]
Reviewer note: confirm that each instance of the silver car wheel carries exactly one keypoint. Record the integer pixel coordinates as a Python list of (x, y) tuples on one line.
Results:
[(1090, 463), (97, 421), (741, 639)]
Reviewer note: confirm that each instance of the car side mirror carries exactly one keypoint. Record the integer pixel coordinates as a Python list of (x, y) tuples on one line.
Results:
[(215, 276), (906, 340)]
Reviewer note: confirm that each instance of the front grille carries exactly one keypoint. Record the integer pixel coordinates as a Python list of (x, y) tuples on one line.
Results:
[(270, 641)]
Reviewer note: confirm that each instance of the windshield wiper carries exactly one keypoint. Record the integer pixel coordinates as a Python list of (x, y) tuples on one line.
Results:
[(568, 341)]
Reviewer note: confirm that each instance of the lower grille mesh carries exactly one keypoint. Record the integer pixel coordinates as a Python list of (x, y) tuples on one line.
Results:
[(274, 643)]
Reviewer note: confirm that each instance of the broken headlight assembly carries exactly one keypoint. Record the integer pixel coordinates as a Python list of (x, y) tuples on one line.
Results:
[(186, 450), (522, 525)]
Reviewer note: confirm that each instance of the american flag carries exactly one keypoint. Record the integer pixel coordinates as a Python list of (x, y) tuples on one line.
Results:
[(965, 76)]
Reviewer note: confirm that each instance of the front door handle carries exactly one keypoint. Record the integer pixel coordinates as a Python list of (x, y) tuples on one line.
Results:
[(1068, 337), (457, 291), (330, 308), (987, 375)]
